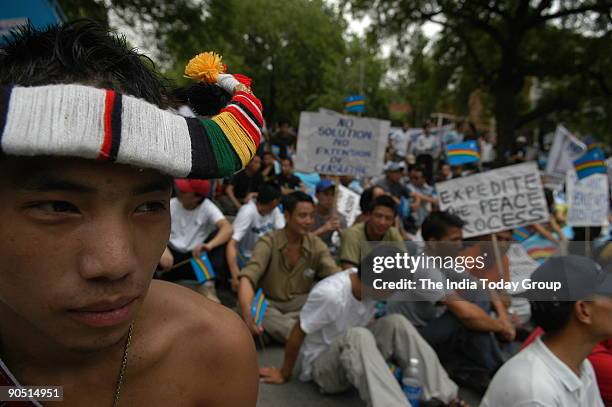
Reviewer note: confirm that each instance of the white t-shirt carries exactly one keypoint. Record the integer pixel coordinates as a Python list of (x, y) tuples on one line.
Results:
[(426, 144), (399, 140), (330, 311), (192, 227), (536, 377), (249, 226)]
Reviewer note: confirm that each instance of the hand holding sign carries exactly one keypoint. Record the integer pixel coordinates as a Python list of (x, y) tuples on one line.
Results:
[(493, 201)]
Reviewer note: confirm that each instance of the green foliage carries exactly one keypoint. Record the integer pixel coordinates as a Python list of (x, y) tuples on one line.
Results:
[(500, 47), (294, 50)]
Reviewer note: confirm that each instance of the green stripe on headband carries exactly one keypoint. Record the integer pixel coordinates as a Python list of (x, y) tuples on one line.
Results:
[(227, 159)]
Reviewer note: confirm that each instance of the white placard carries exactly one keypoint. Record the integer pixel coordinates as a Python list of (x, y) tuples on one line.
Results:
[(341, 144), (492, 201), (587, 200), (565, 150), (347, 204)]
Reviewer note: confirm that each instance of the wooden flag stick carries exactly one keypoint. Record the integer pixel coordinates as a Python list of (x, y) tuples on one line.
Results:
[(498, 259)]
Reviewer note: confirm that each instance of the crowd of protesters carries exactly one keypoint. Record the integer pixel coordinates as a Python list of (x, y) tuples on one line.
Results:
[(291, 241), (81, 237)]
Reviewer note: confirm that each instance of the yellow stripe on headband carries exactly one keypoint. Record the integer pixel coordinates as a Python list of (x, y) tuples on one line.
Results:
[(234, 139), (245, 138), (243, 144)]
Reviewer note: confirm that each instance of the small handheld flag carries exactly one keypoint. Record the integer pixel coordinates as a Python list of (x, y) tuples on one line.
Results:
[(539, 248), (521, 234), (259, 307), (592, 162), (355, 103), (202, 267), (463, 153)]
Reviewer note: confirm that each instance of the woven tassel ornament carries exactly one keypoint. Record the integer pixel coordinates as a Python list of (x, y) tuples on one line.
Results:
[(205, 67)]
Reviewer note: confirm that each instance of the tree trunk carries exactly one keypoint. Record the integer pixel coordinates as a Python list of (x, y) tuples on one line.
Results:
[(506, 115)]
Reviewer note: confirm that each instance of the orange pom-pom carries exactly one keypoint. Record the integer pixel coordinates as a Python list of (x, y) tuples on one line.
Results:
[(205, 67)]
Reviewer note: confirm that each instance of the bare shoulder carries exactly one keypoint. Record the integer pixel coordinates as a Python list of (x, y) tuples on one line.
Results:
[(203, 344)]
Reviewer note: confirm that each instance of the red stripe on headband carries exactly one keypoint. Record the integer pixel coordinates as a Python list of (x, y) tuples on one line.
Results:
[(109, 102)]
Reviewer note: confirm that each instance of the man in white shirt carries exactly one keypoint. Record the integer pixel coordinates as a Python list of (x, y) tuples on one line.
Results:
[(399, 139), (554, 370), (254, 219), (340, 347), (197, 226), (426, 148)]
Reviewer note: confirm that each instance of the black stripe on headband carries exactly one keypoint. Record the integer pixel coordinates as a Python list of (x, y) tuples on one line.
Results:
[(115, 127), (5, 97), (247, 112), (203, 161)]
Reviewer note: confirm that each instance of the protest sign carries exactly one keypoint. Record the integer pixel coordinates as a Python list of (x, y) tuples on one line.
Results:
[(565, 149), (340, 144), (347, 204), (587, 200), (492, 201)]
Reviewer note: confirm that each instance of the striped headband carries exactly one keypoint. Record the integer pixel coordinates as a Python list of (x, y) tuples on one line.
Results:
[(82, 121)]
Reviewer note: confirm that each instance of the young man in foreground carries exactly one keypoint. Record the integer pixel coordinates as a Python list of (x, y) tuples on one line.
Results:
[(87, 158)]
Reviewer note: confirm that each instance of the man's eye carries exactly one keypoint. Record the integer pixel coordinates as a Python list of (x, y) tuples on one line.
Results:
[(56, 207), (151, 207)]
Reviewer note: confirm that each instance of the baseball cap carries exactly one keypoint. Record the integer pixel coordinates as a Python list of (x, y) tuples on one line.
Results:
[(198, 186), (325, 184), (395, 166), (577, 278)]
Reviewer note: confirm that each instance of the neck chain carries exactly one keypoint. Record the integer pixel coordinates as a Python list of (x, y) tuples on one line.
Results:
[(123, 369)]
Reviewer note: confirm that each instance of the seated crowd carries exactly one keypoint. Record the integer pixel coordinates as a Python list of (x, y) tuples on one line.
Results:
[(292, 242)]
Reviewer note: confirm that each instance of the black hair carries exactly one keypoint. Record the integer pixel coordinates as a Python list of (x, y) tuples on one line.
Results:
[(386, 249), (204, 99), (291, 200), (436, 225), (418, 167), (365, 201), (285, 158), (386, 201), (268, 192), (84, 52), (551, 316)]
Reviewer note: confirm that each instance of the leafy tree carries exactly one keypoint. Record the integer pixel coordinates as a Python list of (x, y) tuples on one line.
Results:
[(500, 45)]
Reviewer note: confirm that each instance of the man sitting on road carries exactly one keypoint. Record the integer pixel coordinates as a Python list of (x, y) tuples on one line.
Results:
[(285, 264)]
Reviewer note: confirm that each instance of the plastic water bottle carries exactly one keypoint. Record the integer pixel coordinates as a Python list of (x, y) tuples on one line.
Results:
[(411, 384)]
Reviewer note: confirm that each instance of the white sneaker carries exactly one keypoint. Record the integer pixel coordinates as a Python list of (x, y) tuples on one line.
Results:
[(208, 290)]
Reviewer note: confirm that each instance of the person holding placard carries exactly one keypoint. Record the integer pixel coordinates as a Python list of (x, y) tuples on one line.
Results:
[(458, 329)]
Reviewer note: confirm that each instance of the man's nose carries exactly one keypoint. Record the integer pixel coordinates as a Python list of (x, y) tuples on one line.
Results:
[(109, 251)]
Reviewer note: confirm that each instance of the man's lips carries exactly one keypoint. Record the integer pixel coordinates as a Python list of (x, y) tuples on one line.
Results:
[(106, 312)]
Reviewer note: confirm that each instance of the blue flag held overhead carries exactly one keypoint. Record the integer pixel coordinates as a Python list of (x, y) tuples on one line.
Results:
[(202, 268), (355, 103), (592, 162), (259, 307), (463, 153)]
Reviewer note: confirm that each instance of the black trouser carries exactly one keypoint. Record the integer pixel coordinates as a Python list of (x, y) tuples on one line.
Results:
[(457, 345), (185, 272), (427, 162)]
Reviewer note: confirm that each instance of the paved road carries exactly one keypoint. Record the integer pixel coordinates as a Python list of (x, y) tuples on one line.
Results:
[(299, 394)]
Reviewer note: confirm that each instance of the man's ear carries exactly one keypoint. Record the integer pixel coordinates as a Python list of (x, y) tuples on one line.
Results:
[(583, 312)]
